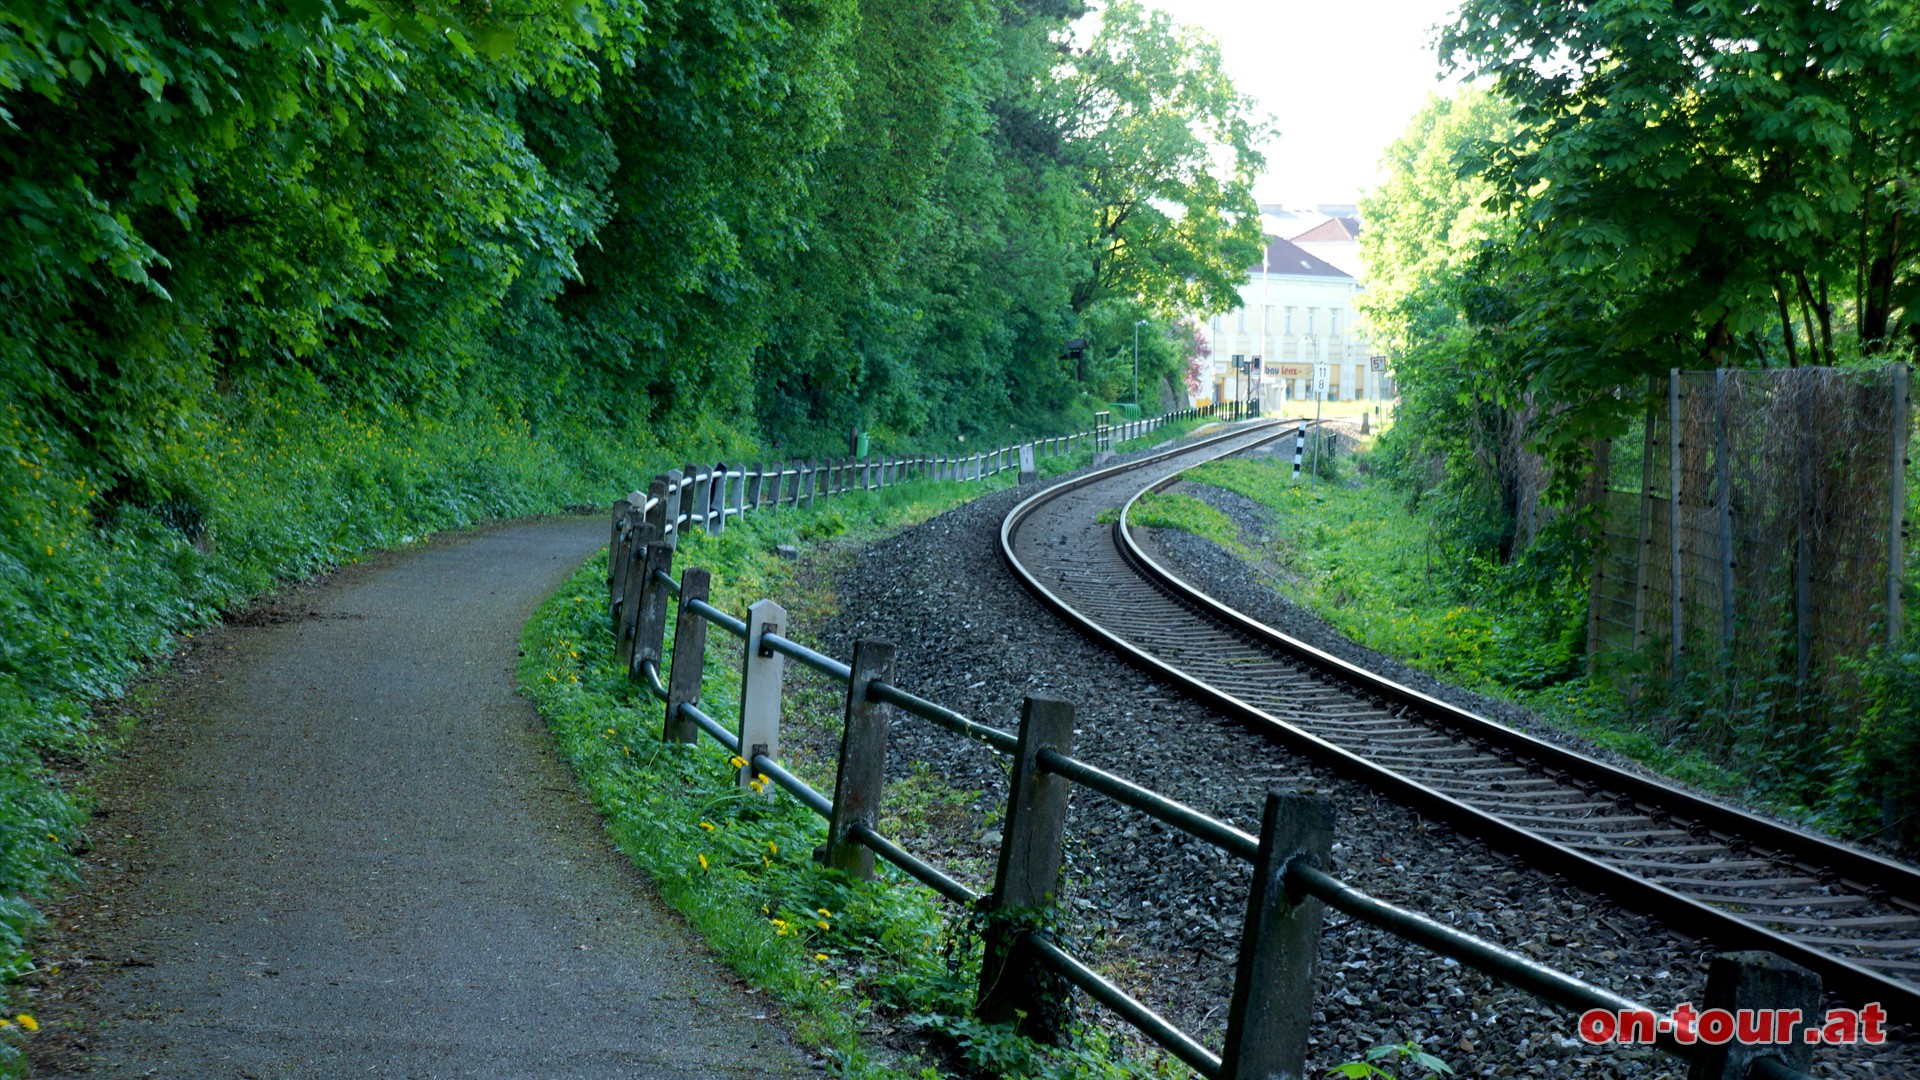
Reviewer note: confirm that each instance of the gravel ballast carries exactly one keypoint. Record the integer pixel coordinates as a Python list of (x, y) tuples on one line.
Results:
[(1160, 913)]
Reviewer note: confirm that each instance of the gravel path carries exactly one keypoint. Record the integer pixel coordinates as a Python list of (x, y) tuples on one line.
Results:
[(1163, 912), (341, 845)]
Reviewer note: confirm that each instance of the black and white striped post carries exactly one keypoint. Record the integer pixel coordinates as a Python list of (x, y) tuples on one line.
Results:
[(1299, 450)]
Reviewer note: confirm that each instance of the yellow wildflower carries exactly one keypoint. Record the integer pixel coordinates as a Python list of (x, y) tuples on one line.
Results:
[(737, 761), (707, 825), (820, 956), (773, 848), (27, 1023), (703, 862), (822, 924)]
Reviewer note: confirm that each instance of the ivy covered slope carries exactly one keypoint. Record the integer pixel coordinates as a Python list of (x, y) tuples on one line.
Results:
[(281, 280)]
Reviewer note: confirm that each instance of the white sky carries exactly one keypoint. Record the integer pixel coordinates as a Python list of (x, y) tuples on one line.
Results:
[(1341, 80)]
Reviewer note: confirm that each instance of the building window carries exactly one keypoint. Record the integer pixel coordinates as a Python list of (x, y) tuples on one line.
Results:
[(1289, 320), (1333, 323), (1311, 313), (1266, 320), (1242, 314)]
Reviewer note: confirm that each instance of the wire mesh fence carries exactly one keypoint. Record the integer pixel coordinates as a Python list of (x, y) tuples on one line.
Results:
[(1750, 529)]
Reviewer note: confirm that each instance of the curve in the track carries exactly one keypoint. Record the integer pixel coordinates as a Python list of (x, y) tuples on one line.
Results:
[(1703, 867)]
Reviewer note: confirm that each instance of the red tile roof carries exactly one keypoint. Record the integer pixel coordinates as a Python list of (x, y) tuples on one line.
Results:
[(1332, 230)]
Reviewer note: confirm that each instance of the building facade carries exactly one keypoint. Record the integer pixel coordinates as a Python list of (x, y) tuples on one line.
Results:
[(1296, 310)]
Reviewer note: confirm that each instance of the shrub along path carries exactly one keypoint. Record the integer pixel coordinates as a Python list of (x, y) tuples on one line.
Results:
[(341, 845)]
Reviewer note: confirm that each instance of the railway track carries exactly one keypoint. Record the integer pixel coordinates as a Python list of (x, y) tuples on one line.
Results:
[(1703, 868)]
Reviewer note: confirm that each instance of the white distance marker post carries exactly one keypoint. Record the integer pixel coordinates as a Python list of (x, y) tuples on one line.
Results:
[(1321, 374)]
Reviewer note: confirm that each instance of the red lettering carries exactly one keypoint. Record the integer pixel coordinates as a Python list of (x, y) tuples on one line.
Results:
[(1598, 1026), (1683, 1017), (1784, 1021), (1716, 1026), (1638, 1026), (1843, 1026), (1754, 1026), (1871, 1017)]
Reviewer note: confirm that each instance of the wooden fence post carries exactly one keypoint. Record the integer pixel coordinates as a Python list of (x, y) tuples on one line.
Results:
[(1897, 500), (761, 672), (1723, 479), (1597, 495), (659, 493), (1012, 985), (702, 499), (1676, 531), (650, 619), (689, 657), (692, 480), (1272, 1005), (634, 562), (858, 784), (750, 493), (614, 554), (1755, 981)]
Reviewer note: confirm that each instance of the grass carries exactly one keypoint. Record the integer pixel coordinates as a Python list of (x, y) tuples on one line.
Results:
[(1349, 550), (838, 953)]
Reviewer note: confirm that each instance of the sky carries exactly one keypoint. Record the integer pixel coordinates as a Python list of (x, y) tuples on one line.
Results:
[(1341, 80)]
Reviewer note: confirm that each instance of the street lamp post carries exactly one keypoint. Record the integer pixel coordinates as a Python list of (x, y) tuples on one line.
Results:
[(1136, 363)]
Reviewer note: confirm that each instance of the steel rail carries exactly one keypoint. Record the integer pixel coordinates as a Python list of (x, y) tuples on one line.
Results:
[(1681, 912)]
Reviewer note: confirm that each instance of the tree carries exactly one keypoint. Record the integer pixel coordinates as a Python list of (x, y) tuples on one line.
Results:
[(1728, 176), (1164, 150)]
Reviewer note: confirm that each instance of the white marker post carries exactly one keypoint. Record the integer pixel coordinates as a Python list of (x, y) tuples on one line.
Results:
[(1321, 374)]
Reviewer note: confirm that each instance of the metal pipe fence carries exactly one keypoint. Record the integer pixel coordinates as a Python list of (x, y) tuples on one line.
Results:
[(1270, 1011)]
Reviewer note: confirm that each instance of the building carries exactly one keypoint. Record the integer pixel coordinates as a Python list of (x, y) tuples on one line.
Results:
[(1296, 310)]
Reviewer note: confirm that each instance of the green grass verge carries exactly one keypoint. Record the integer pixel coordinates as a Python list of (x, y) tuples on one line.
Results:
[(833, 950), (1354, 554)]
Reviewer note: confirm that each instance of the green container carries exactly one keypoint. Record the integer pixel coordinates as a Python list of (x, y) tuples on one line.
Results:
[(860, 445)]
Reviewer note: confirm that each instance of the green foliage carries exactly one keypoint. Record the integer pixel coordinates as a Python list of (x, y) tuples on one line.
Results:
[(1880, 776), (1173, 510), (284, 282), (1356, 557), (1147, 115), (833, 950), (1368, 1067)]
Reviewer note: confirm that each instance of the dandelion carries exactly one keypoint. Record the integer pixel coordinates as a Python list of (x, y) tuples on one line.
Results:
[(773, 848), (703, 862), (707, 825), (737, 761), (27, 1023), (820, 956)]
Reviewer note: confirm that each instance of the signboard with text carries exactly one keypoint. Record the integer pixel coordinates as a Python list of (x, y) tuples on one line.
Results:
[(1290, 371), (1322, 374)]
